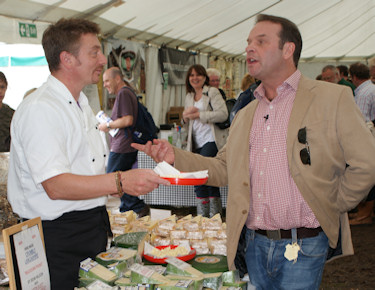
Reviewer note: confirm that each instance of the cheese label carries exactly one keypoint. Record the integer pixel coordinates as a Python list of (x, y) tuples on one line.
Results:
[(183, 283), (157, 268), (178, 263), (115, 253), (207, 259), (98, 285), (141, 270), (88, 264)]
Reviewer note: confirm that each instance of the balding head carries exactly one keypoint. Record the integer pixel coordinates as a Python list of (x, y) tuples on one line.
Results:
[(113, 80)]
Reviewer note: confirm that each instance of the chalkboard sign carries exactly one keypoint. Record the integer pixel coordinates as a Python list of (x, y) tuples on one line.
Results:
[(25, 256)]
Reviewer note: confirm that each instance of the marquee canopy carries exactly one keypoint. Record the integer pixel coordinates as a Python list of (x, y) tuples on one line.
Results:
[(331, 30)]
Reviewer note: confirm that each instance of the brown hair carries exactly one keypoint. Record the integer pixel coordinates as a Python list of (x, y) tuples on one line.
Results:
[(200, 70), (289, 33), (3, 78), (246, 82), (360, 70), (64, 35)]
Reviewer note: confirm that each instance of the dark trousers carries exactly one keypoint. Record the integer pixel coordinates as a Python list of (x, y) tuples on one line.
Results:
[(204, 191), (123, 162), (72, 238)]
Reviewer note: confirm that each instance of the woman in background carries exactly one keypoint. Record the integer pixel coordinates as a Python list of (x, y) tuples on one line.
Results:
[(6, 114), (246, 82), (204, 106)]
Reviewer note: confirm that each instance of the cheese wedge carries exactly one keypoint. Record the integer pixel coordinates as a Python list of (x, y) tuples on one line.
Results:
[(178, 285), (116, 254), (241, 285), (178, 267), (185, 218), (198, 281), (124, 218), (213, 280), (91, 269), (143, 274), (98, 285), (231, 276), (126, 283)]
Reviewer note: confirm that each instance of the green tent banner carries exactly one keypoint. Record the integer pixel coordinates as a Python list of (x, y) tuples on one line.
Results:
[(28, 61), (4, 60)]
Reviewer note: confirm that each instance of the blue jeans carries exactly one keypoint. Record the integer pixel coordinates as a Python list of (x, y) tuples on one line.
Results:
[(204, 191), (269, 269), (124, 162)]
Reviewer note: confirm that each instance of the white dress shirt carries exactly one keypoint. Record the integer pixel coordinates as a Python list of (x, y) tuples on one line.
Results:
[(52, 134)]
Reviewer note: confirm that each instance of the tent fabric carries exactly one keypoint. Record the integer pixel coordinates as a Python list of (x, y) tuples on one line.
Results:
[(331, 30)]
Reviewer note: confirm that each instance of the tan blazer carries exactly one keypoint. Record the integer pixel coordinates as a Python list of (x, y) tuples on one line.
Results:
[(337, 135)]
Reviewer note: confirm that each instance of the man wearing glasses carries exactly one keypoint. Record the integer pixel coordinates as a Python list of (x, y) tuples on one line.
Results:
[(285, 163)]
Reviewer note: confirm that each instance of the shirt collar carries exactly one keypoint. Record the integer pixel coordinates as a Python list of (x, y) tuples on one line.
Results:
[(65, 93), (292, 82), (364, 84)]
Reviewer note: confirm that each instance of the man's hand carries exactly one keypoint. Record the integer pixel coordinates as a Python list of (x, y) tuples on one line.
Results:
[(103, 127), (141, 181), (160, 150)]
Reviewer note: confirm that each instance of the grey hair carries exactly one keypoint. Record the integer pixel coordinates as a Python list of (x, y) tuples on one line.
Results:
[(213, 72)]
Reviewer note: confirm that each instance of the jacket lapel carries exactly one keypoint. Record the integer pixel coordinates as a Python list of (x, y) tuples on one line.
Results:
[(301, 105)]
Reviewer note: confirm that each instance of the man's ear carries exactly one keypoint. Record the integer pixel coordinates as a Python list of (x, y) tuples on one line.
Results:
[(288, 49), (66, 58)]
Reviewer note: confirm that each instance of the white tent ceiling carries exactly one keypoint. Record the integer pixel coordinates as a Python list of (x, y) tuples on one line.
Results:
[(331, 29)]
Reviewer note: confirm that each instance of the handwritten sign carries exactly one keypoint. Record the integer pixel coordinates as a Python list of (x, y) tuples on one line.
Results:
[(31, 259), (26, 257)]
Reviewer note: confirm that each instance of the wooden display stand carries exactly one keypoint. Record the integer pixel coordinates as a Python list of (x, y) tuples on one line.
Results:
[(28, 242), (174, 115)]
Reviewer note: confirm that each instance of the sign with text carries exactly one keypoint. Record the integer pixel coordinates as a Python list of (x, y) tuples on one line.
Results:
[(27, 30), (25, 256), (31, 259)]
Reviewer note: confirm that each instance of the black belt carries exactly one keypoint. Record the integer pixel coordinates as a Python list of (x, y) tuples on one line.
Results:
[(287, 234)]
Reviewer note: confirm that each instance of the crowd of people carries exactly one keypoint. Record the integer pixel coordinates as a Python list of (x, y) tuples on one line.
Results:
[(291, 158)]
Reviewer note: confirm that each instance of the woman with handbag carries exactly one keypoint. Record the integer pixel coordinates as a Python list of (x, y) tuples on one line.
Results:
[(204, 106)]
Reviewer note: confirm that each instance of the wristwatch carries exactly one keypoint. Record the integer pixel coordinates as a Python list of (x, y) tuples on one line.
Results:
[(108, 125)]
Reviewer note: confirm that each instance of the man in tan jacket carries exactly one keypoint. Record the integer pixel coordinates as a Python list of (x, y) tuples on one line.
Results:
[(293, 162)]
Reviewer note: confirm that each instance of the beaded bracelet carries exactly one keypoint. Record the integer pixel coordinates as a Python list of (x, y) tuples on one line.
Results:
[(119, 183)]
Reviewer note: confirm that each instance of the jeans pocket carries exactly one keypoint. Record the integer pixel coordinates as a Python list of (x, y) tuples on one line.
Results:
[(314, 247)]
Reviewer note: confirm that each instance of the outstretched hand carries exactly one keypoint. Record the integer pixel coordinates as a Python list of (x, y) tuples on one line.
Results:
[(141, 181), (160, 150)]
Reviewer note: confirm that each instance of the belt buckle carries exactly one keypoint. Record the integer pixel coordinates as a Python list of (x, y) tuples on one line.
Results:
[(274, 235)]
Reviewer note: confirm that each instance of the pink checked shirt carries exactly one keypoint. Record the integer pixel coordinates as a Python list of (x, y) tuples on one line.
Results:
[(275, 201)]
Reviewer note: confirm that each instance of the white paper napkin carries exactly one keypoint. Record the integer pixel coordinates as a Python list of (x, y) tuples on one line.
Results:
[(164, 169)]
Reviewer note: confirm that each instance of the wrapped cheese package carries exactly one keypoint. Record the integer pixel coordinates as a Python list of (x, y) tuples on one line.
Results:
[(91, 269), (142, 274), (178, 267)]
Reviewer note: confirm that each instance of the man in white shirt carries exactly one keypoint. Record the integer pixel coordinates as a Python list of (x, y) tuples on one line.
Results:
[(57, 166)]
